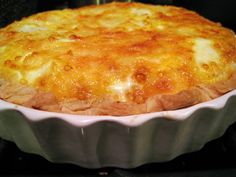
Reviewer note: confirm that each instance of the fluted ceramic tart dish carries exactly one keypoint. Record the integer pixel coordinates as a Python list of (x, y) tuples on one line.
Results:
[(120, 84)]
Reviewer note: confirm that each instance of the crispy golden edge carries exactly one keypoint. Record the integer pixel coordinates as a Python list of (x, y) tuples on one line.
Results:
[(33, 98)]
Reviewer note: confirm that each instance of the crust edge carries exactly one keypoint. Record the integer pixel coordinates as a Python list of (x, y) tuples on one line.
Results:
[(33, 98)]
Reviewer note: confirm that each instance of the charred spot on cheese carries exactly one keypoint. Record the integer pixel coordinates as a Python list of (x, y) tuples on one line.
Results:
[(141, 74), (163, 85), (127, 51), (137, 95)]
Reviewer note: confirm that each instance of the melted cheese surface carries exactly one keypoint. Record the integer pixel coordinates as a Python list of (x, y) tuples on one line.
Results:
[(127, 51), (205, 52)]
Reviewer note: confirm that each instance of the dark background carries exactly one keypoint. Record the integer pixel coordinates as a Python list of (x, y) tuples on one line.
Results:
[(223, 11), (216, 159)]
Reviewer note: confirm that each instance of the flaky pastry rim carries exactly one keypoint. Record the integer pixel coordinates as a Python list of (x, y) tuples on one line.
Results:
[(36, 99)]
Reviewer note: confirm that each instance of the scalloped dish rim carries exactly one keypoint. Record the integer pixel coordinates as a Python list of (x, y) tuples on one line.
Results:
[(131, 120)]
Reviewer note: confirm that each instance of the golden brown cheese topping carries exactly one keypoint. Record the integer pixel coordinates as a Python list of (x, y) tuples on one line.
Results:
[(127, 52)]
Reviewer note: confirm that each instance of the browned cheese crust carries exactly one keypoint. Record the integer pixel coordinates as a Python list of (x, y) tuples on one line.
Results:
[(116, 59)]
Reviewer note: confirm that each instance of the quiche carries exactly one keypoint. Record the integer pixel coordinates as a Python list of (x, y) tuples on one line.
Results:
[(115, 59)]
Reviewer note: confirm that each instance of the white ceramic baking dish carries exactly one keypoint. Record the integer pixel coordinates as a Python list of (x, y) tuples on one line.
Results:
[(129, 141)]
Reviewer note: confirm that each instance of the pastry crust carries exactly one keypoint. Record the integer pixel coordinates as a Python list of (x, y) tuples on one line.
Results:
[(45, 101), (98, 61)]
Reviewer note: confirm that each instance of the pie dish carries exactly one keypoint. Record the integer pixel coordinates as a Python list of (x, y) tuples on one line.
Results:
[(116, 59), (113, 141), (68, 96)]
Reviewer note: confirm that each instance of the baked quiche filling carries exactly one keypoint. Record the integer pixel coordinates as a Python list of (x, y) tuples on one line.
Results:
[(115, 59)]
